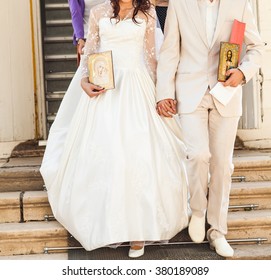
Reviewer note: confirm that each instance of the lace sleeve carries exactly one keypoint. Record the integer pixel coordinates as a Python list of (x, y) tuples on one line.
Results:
[(149, 44), (92, 42)]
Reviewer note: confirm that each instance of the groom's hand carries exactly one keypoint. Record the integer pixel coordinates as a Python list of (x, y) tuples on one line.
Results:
[(167, 108), (236, 78)]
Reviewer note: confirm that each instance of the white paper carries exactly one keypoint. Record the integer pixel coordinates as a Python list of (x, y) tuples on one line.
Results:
[(223, 94)]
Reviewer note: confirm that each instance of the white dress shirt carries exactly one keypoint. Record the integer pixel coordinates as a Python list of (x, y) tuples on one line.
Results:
[(209, 14)]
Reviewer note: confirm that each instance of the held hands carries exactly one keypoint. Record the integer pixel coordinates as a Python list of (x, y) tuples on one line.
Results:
[(90, 89), (236, 78), (166, 108)]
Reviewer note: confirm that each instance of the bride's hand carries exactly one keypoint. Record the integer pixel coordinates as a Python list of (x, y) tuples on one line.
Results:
[(90, 89), (166, 108)]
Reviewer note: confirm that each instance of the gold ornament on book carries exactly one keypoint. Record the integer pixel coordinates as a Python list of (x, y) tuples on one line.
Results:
[(101, 72), (230, 52), (228, 59)]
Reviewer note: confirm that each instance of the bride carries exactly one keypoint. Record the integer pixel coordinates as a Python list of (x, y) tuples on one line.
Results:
[(113, 169)]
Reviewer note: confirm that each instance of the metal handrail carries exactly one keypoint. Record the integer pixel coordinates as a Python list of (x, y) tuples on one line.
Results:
[(49, 217), (247, 207), (239, 178), (258, 240)]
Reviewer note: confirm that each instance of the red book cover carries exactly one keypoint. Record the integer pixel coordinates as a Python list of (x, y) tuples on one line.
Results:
[(237, 34)]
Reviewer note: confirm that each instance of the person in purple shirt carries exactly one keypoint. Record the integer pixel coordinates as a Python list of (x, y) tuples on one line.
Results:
[(80, 10)]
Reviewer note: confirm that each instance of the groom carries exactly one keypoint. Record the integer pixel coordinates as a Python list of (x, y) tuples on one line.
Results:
[(187, 70)]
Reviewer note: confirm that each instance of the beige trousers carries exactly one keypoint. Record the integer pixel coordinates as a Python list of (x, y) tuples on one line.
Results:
[(209, 138)]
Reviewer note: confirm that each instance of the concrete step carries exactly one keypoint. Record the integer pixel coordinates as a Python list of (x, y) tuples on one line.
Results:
[(57, 28), (51, 118), (35, 236), (246, 193), (59, 11), (59, 48), (249, 224), (58, 81), (58, 22), (57, 95), (57, 6), (38, 257), (241, 252), (58, 39), (10, 207), (53, 106), (254, 165), (27, 149), (56, 63), (55, 1), (24, 206), (60, 57), (36, 206), (59, 45), (21, 174), (252, 252), (31, 237), (59, 76)]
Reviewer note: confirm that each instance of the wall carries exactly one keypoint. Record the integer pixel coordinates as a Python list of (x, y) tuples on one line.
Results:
[(17, 106), (261, 138)]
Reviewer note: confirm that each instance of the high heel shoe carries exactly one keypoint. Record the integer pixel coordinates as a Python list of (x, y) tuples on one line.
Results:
[(136, 250)]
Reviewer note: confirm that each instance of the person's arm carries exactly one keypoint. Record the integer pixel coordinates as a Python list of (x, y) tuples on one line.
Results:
[(91, 46), (149, 44), (169, 56), (77, 20), (252, 60), (168, 61)]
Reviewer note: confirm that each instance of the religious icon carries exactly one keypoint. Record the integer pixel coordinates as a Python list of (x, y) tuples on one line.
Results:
[(101, 70), (228, 59)]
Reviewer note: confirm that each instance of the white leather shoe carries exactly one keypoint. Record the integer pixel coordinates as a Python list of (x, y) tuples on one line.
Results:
[(222, 247), (136, 253), (196, 229)]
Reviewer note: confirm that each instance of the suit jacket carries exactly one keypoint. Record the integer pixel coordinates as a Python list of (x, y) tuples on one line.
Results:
[(77, 8), (187, 65)]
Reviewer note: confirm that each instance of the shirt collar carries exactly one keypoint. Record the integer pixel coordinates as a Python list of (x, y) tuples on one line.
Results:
[(208, 2)]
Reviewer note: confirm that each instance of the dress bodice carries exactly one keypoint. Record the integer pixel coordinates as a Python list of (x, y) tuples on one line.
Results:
[(125, 39), (132, 43)]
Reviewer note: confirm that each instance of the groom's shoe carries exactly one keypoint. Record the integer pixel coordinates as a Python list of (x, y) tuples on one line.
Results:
[(196, 229), (222, 247)]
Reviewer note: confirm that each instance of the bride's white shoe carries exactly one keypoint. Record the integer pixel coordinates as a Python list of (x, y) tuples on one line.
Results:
[(136, 253), (136, 250)]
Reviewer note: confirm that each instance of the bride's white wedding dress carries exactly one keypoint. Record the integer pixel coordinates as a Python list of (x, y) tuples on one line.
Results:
[(113, 169)]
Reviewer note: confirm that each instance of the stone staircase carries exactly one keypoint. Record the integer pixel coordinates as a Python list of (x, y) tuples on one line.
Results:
[(27, 227), (26, 224), (59, 54)]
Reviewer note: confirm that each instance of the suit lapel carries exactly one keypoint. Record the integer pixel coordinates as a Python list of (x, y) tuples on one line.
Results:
[(193, 8), (223, 9)]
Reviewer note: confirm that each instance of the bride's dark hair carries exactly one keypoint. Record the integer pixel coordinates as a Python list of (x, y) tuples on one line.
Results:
[(139, 6)]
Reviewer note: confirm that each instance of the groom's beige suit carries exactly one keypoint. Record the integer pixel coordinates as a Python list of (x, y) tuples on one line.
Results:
[(187, 70)]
